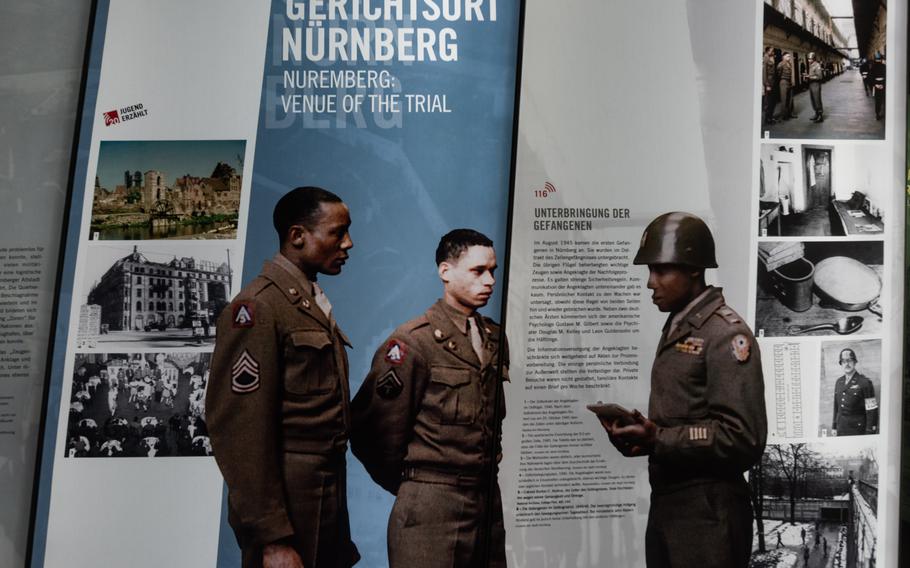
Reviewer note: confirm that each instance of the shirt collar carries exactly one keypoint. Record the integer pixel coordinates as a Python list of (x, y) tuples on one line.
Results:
[(298, 275)]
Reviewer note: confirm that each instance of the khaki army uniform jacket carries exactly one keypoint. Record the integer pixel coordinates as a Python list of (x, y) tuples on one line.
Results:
[(427, 404), (815, 72), (278, 386), (855, 406), (707, 397), (785, 72), (769, 72)]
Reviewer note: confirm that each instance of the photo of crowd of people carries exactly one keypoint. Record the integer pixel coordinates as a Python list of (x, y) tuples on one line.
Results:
[(138, 405)]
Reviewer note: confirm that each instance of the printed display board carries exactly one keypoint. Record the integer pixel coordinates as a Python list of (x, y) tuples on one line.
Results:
[(770, 121), (197, 118), (783, 142)]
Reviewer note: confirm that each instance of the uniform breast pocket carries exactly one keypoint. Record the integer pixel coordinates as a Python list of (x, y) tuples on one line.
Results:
[(451, 396), (309, 365), (679, 384)]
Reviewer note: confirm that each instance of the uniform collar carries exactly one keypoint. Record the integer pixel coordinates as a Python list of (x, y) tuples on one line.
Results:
[(695, 314), (458, 318), (451, 333), (295, 273), (295, 286)]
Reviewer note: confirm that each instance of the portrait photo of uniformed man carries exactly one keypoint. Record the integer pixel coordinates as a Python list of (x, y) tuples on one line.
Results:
[(850, 381), (706, 422), (428, 415), (278, 399)]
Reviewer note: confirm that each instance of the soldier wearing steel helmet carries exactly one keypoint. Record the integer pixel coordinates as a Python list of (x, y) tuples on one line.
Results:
[(706, 421)]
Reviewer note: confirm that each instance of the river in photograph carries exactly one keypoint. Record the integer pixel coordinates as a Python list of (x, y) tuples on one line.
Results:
[(217, 230)]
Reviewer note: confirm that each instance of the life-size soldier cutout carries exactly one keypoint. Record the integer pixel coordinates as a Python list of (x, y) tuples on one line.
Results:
[(706, 422), (426, 424), (278, 397)]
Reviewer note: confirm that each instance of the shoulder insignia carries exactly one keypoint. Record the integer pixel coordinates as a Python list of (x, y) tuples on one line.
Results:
[(396, 352), (691, 345), (729, 315), (243, 315), (245, 374), (740, 347), (292, 291), (871, 404), (305, 303), (437, 334), (389, 386)]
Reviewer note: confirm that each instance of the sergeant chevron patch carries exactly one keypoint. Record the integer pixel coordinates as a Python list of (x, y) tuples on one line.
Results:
[(389, 385), (245, 374)]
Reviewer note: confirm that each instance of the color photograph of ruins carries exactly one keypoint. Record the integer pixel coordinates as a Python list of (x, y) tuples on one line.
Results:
[(167, 190)]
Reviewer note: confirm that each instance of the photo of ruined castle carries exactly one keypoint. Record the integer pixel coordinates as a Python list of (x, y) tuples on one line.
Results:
[(167, 190)]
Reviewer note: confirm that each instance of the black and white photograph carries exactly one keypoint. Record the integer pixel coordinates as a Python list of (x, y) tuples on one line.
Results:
[(813, 190), (823, 69), (138, 405), (819, 288), (850, 387), (153, 294), (817, 505), (167, 189)]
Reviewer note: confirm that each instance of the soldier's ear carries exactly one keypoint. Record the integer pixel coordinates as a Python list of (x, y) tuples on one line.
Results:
[(296, 236), (443, 270)]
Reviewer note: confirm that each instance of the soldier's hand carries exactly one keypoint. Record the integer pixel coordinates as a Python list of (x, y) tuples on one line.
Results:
[(280, 556), (636, 439)]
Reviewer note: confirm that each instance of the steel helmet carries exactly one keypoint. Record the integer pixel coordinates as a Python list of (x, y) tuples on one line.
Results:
[(677, 238)]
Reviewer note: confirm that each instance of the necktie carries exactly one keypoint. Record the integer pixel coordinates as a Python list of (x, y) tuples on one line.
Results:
[(476, 340), (322, 301)]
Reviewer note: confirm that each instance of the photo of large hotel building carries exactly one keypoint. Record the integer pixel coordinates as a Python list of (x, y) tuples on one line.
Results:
[(139, 294)]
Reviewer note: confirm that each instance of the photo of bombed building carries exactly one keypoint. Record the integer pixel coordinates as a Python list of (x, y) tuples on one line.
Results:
[(168, 302), (135, 197), (823, 69)]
